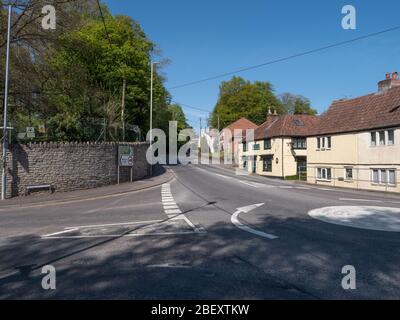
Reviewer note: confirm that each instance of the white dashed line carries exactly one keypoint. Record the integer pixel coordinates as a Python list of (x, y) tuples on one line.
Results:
[(360, 200), (171, 209)]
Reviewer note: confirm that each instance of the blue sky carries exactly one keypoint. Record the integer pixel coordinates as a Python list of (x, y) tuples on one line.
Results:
[(206, 38)]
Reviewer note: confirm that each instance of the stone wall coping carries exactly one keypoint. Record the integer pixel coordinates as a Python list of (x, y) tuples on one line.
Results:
[(75, 144)]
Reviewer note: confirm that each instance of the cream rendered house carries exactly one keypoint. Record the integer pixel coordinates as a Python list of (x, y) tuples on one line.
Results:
[(279, 147), (356, 143)]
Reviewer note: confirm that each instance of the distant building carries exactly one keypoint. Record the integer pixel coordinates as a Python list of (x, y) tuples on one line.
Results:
[(279, 148), (356, 143), (242, 125)]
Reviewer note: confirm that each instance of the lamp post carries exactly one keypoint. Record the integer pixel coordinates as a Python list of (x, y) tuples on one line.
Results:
[(151, 111), (5, 138)]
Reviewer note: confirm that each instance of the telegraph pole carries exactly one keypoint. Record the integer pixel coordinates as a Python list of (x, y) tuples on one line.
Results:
[(123, 109), (5, 132)]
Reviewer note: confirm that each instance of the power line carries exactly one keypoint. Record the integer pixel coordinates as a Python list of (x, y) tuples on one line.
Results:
[(286, 58), (104, 21), (191, 107)]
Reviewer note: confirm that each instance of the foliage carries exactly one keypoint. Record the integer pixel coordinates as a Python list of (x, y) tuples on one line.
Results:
[(71, 79), (296, 104), (240, 98)]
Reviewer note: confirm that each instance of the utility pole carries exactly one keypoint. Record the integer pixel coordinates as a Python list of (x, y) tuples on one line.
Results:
[(219, 128), (5, 132), (151, 112), (123, 109)]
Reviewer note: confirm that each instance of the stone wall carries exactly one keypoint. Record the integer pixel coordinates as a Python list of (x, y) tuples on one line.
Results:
[(69, 166)]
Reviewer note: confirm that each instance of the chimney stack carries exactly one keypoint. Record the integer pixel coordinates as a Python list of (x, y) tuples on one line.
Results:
[(392, 80)]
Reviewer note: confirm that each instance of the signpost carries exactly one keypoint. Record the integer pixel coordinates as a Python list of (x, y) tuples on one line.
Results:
[(30, 132), (125, 159)]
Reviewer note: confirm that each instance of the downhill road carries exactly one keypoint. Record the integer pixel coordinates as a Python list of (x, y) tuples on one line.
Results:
[(206, 234)]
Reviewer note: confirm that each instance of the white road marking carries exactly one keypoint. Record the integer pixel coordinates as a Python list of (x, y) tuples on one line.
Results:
[(252, 184), (166, 265), (222, 176), (303, 188), (115, 224), (61, 232), (169, 203), (73, 229), (285, 187), (360, 200), (361, 217), (171, 209), (174, 211), (124, 235), (323, 189), (237, 223)]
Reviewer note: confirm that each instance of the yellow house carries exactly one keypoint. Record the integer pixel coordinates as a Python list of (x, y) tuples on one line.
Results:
[(356, 143), (279, 147)]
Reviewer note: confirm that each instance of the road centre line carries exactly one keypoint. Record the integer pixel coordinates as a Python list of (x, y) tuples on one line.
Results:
[(360, 200)]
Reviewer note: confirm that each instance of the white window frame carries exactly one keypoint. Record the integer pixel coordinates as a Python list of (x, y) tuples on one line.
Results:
[(384, 177), (322, 176), (393, 142), (373, 142), (382, 143), (325, 143), (352, 174)]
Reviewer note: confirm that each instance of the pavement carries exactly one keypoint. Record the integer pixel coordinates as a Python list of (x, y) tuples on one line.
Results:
[(203, 233), (160, 176)]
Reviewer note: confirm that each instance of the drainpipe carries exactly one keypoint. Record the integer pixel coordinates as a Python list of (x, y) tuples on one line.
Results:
[(283, 167)]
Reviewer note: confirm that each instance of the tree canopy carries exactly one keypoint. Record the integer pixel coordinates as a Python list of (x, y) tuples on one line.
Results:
[(296, 104), (70, 80), (240, 98)]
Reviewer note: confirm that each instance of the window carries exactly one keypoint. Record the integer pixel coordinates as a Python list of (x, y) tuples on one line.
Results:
[(375, 176), (384, 176), (245, 147), (391, 137), (256, 147), (392, 177), (382, 139), (386, 138), (328, 142), (267, 144), (299, 143), (324, 143), (373, 139), (349, 173), (267, 164), (324, 174)]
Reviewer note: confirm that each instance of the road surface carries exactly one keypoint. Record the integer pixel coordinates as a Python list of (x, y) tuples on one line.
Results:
[(206, 234)]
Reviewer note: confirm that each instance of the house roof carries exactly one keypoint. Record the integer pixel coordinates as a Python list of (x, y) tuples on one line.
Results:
[(286, 126), (369, 112), (242, 124)]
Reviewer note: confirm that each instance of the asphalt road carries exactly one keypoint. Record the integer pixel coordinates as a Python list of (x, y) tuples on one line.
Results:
[(208, 234)]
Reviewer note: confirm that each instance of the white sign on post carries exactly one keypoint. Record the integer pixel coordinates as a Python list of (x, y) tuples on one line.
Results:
[(125, 156), (125, 159)]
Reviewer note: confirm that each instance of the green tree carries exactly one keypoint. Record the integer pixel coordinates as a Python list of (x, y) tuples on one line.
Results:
[(91, 68), (296, 104), (240, 98)]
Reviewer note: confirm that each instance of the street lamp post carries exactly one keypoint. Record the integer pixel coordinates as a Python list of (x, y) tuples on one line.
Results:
[(151, 111), (5, 140)]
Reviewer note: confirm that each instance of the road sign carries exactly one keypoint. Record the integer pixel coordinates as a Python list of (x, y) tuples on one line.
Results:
[(125, 156), (30, 132)]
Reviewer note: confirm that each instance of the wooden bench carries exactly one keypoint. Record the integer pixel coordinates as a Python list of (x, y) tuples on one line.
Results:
[(38, 187)]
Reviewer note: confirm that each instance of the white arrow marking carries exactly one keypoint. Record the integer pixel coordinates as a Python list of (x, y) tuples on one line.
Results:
[(241, 226)]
